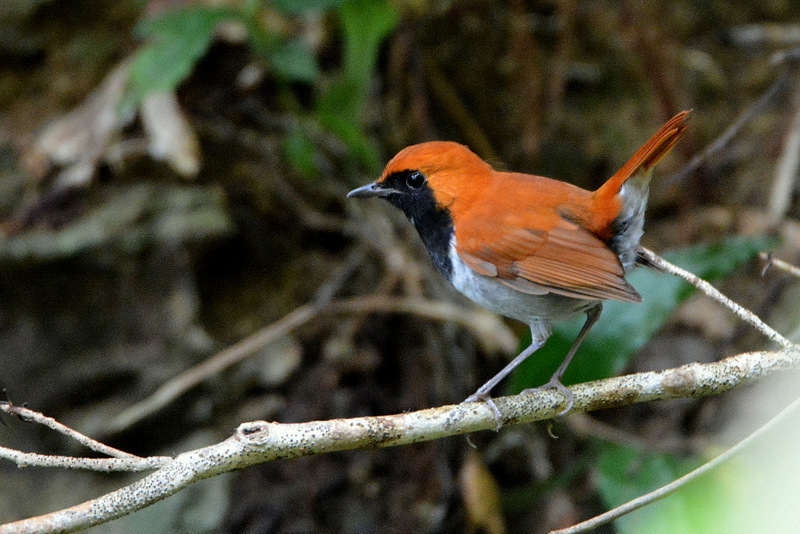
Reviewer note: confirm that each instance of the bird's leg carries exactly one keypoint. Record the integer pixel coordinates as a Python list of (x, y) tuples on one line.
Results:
[(592, 315), (482, 394)]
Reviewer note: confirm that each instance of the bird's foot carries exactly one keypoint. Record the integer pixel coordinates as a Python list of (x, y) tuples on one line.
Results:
[(479, 396), (554, 383)]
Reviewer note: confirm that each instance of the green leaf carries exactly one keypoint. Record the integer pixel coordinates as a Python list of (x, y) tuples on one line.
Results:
[(624, 327), (299, 151), (176, 42), (365, 24), (296, 7), (755, 491), (294, 60), (340, 106), (340, 113), (703, 506)]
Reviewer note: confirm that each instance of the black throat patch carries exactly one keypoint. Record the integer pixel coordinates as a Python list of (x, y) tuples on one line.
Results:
[(433, 223)]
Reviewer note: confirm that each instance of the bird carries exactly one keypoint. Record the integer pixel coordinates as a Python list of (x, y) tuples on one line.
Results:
[(527, 247)]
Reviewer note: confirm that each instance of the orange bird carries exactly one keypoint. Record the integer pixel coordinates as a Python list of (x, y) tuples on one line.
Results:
[(527, 247)]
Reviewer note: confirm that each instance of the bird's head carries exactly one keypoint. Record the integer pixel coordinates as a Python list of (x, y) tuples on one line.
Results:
[(429, 176)]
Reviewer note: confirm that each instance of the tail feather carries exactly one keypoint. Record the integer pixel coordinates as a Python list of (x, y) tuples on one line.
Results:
[(619, 204), (648, 156)]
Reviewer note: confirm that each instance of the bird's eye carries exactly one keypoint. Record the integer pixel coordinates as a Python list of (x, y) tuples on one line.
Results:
[(415, 180)]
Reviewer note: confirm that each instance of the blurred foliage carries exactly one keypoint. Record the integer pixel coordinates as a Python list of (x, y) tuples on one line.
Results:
[(743, 494), (365, 23), (178, 39), (703, 506), (176, 42), (623, 327), (297, 7)]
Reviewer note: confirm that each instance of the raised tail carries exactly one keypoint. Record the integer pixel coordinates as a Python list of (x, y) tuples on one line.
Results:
[(619, 204), (649, 155)]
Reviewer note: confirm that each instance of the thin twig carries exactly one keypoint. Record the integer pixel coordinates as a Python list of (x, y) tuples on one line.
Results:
[(37, 417), (731, 131), (129, 465), (789, 162), (675, 485), (780, 264), (743, 313), (486, 325), (182, 383), (261, 441)]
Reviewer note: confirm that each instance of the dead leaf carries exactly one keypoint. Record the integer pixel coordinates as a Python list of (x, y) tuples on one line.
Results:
[(481, 494), (169, 134), (80, 139)]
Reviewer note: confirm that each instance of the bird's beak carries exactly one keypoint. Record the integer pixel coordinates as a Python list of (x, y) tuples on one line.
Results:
[(374, 189)]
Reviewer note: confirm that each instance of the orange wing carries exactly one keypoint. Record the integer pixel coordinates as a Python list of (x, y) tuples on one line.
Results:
[(565, 259), (527, 240)]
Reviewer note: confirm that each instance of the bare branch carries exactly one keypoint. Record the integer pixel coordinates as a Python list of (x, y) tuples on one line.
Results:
[(780, 264), (260, 441), (742, 313), (29, 459), (731, 131), (785, 177), (119, 461), (486, 325), (30, 415), (672, 487)]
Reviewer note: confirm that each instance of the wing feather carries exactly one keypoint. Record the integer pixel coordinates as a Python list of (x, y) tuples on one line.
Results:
[(566, 260)]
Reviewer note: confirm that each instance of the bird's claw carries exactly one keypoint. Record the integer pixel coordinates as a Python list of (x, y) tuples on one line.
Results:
[(486, 398), (569, 396)]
